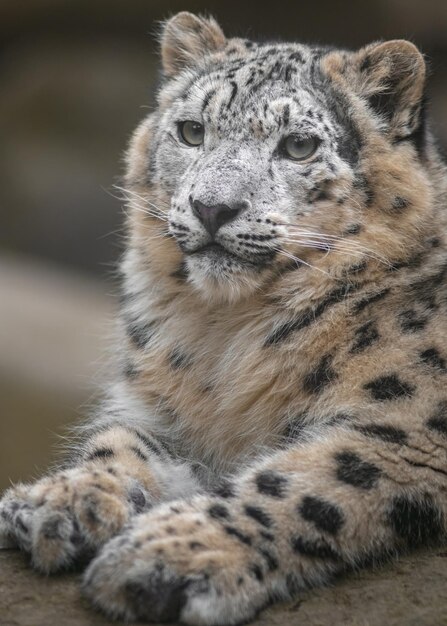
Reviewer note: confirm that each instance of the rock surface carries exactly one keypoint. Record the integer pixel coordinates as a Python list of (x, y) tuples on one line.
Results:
[(412, 592)]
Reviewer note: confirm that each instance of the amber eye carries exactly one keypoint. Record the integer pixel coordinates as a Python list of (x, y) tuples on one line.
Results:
[(299, 149), (191, 133)]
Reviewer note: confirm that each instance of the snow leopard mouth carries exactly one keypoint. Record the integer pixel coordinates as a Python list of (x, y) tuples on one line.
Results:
[(213, 247), (216, 253)]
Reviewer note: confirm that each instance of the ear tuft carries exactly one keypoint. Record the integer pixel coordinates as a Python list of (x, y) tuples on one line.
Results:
[(186, 39), (393, 78)]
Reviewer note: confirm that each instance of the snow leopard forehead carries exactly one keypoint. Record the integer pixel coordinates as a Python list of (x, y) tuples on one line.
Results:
[(257, 91)]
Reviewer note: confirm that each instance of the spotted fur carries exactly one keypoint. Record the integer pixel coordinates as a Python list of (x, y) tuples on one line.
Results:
[(283, 326)]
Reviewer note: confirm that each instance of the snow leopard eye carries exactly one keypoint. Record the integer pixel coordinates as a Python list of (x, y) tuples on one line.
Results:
[(298, 148), (191, 133)]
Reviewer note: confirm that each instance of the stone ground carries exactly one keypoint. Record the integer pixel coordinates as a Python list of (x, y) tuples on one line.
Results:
[(412, 592)]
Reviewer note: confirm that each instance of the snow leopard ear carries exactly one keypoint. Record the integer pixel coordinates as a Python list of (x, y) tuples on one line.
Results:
[(186, 39), (392, 76)]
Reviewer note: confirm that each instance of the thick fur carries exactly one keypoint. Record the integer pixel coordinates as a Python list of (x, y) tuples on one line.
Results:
[(283, 396)]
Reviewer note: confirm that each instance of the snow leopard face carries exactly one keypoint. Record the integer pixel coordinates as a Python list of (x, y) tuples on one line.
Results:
[(261, 153), (246, 150)]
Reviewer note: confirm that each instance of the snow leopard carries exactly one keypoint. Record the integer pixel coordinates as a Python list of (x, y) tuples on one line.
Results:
[(280, 415)]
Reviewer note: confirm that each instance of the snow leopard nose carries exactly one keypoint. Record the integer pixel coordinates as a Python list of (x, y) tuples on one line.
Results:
[(215, 216)]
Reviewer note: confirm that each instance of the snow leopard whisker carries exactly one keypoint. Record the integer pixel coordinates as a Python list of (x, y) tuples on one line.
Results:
[(338, 242), (291, 256), (357, 251), (131, 198)]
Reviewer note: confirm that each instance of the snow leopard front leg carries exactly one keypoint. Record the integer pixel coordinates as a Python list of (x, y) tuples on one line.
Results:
[(117, 471), (291, 521)]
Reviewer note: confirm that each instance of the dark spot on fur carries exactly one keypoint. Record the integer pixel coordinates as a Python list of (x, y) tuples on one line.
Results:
[(323, 514), (178, 360), (295, 429), (130, 371), (157, 597), (90, 510), (150, 445), (218, 511), (100, 453), (426, 289), (357, 268), (438, 421), (297, 57), (309, 316), (351, 469), (435, 242), (323, 375), (51, 528), (319, 548), (256, 572), (432, 357), (389, 388), (271, 484), (338, 418), (270, 559), (207, 98), (364, 337), (196, 545), (138, 453), (410, 322), (267, 536), (362, 184), (385, 432), (140, 333), (416, 520), (234, 89), (234, 532), (224, 489), (399, 204), (374, 297), (181, 274), (412, 263), (353, 229), (259, 515)]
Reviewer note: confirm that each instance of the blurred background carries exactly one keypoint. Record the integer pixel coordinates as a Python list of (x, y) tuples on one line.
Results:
[(76, 76)]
